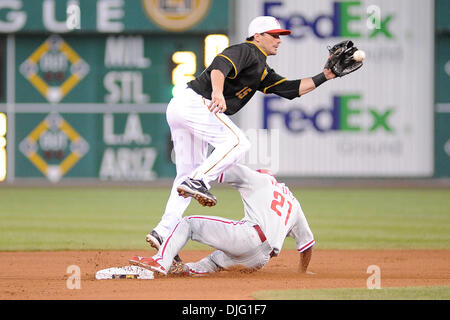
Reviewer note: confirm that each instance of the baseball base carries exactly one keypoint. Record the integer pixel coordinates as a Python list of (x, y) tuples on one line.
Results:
[(126, 272)]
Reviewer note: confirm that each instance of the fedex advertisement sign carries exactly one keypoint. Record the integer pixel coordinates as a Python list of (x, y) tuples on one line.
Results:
[(377, 121), (342, 116), (349, 19)]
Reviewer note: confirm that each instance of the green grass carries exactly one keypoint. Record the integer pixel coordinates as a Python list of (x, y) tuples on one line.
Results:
[(61, 218), (379, 218), (404, 293)]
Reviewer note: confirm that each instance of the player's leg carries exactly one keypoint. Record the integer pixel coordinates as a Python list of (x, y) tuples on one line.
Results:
[(177, 205), (237, 242), (208, 265), (190, 150), (162, 261), (229, 143), (234, 238)]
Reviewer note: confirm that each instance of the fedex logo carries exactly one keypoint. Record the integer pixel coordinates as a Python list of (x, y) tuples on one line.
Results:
[(341, 116), (347, 19)]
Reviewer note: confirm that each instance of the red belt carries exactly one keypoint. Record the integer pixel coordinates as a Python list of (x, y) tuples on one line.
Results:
[(261, 234)]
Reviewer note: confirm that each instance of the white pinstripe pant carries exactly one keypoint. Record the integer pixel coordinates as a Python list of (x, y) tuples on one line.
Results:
[(193, 127), (237, 243)]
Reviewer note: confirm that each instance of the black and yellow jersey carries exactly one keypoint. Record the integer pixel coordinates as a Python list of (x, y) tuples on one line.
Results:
[(245, 68)]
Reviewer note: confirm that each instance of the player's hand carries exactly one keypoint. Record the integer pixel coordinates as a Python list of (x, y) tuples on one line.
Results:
[(218, 103), (329, 74), (341, 61)]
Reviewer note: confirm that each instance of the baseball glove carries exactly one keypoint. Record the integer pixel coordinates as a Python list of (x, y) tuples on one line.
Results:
[(341, 61)]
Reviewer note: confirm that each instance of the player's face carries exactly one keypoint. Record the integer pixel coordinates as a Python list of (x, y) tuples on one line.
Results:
[(270, 43)]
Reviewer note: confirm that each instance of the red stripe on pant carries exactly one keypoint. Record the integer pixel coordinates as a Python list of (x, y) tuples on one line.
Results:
[(195, 217), (167, 241)]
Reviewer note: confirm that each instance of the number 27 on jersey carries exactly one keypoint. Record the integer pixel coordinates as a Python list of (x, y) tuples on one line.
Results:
[(278, 204)]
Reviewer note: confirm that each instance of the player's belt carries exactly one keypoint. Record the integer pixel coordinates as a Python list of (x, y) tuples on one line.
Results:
[(262, 237), (261, 234)]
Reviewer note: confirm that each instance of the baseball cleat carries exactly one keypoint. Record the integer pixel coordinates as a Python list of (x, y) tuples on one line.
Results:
[(155, 240), (197, 190), (147, 263)]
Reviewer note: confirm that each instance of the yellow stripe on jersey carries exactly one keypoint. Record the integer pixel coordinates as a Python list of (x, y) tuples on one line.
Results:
[(235, 69), (257, 47), (272, 85), (264, 74)]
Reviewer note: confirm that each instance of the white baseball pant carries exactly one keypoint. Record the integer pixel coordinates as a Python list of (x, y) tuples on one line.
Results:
[(193, 127), (237, 243)]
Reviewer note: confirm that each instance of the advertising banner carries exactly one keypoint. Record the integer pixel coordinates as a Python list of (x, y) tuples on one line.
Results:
[(377, 121), (110, 146)]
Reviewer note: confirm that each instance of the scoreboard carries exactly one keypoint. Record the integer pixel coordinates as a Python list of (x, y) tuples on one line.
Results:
[(84, 84)]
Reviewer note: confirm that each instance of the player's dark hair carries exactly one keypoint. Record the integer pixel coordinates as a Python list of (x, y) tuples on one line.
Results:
[(250, 38)]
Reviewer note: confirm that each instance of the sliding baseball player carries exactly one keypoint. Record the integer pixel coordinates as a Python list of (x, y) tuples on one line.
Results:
[(271, 213)]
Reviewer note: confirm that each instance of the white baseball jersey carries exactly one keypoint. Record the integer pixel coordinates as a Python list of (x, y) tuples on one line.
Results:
[(272, 206)]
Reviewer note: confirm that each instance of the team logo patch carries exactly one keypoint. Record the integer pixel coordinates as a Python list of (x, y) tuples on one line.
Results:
[(54, 69), (54, 147), (176, 15)]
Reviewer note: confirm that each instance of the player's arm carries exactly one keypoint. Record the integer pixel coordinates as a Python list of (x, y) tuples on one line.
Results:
[(218, 103), (305, 258), (304, 239), (290, 89), (309, 84), (225, 65)]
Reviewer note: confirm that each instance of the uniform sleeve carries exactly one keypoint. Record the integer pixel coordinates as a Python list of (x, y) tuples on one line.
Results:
[(301, 232), (274, 83), (232, 60)]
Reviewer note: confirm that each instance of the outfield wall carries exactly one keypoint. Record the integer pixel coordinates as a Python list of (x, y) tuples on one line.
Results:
[(85, 99)]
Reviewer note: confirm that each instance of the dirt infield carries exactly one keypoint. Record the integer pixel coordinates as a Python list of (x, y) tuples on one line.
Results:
[(43, 275)]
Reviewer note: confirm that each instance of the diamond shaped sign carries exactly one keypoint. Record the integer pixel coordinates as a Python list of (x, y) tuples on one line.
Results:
[(54, 147), (54, 69)]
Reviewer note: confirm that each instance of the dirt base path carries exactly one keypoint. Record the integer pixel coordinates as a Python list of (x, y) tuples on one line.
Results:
[(43, 275)]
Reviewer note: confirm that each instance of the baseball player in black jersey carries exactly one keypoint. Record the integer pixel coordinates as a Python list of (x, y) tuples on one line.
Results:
[(198, 116)]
